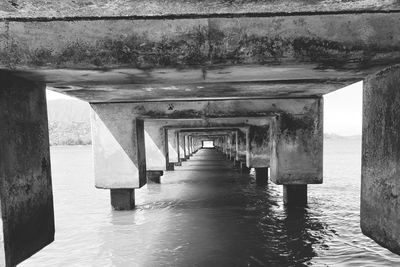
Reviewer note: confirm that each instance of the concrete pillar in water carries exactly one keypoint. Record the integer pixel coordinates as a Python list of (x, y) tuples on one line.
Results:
[(122, 199), (156, 144), (118, 147), (172, 144), (181, 139), (295, 195), (25, 174), (261, 176), (154, 176), (186, 146), (297, 145), (380, 171), (258, 145)]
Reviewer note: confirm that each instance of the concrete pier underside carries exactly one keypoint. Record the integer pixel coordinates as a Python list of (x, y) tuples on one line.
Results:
[(158, 76)]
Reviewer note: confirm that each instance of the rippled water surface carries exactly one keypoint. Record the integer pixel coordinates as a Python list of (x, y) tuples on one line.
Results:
[(206, 214)]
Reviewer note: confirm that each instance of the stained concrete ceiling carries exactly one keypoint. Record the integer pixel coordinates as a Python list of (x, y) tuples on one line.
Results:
[(124, 51)]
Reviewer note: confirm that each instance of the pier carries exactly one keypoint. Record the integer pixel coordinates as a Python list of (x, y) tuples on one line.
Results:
[(162, 79)]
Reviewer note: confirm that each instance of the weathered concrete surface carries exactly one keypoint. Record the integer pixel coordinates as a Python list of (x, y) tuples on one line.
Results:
[(118, 147), (380, 186), (173, 145), (259, 146), (58, 9), (194, 83), (157, 153), (295, 195), (186, 145), (25, 173), (181, 138), (131, 60), (122, 199), (241, 146), (297, 146)]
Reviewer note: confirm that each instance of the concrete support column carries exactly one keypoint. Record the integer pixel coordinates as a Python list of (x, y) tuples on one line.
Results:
[(297, 145), (295, 195), (172, 144), (261, 176), (258, 145), (154, 176), (122, 199), (186, 146), (380, 167), (118, 147), (26, 196), (181, 139), (241, 148), (156, 142), (190, 145)]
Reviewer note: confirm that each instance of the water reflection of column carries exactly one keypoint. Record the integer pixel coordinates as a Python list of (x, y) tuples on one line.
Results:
[(303, 231)]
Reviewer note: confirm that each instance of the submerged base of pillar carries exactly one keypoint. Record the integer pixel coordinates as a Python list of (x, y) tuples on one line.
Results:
[(154, 176), (243, 168), (170, 166), (295, 195), (261, 176), (178, 163), (122, 199)]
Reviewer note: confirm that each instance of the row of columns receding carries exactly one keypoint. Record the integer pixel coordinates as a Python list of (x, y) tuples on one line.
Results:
[(250, 142)]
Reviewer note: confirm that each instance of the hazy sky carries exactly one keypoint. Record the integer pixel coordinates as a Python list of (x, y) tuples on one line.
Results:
[(342, 109)]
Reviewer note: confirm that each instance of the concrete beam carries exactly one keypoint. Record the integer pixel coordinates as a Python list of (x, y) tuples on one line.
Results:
[(25, 173), (118, 147), (95, 9), (380, 176), (297, 146), (202, 57)]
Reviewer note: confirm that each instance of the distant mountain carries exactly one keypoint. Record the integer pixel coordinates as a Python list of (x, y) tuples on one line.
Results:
[(64, 110), (331, 136), (69, 122)]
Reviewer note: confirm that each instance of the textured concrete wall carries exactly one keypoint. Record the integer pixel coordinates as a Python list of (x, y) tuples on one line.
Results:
[(201, 57), (25, 173), (380, 178), (157, 155), (181, 146), (331, 41), (118, 147), (176, 8), (173, 146), (186, 145), (297, 146), (259, 146)]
